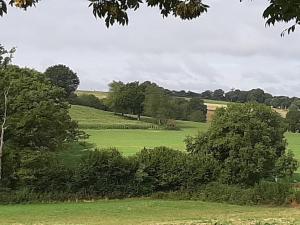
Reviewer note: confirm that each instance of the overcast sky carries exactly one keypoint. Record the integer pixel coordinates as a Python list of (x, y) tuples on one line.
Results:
[(229, 47)]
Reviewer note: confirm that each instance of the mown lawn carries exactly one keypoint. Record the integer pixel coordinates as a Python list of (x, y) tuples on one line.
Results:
[(143, 211)]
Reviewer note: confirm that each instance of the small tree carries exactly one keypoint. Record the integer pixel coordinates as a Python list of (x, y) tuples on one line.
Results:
[(248, 142), (63, 77)]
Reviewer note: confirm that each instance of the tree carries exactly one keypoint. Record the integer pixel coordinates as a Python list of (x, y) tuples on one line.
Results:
[(5, 56), (197, 110), (116, 11), (207, 94), (157, 104), (256, 95), (218, 94), (248, 142), (63, 77), (293, 120), (127, 98), (3, 127), (89, 100), (38, 113)]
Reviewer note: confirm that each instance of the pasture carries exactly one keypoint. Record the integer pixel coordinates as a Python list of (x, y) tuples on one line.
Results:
[(147, 212), (130, 141), (98, 94)]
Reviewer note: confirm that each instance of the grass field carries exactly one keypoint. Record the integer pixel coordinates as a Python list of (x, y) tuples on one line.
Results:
[(98, 94), (145, 212), (130, 141)]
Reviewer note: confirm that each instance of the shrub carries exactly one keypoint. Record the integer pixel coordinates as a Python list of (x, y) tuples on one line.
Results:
[(248, 142), (165, 169), (262, 193), (89, 100), (106, 173), (161, 169)]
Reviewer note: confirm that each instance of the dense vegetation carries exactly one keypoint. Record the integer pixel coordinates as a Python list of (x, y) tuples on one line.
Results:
[(40, 176), (241, 159), (151, 100), (236, 95)]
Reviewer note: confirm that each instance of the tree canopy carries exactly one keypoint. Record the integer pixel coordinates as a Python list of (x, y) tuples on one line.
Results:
[(116, 11), (248, 142), (63, 77), (37, 113)]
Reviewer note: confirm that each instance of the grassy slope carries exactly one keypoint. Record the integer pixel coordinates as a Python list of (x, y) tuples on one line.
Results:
[(131, 141), (140, 211), (98, 94), (90, 116)]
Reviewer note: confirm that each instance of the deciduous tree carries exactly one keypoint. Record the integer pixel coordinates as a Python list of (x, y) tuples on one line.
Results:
[(248, 142), (63, 77)]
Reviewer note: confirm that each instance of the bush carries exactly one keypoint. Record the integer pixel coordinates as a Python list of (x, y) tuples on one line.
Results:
[(248, 142), (197, 116), (89, 100), (32, 176), (165, 169), (262, 193), (106, 173)]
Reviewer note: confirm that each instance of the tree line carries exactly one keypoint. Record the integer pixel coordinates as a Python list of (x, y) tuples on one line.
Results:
[(235, 95), (151, 100)]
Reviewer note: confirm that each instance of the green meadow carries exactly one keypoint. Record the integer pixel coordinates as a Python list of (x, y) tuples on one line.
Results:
[(146, 212), (142, 211)]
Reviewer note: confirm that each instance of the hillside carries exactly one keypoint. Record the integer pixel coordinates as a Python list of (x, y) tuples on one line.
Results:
[(212, 105), (90, 118)]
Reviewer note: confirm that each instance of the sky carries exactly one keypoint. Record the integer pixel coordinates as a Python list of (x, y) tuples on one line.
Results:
[(228, 47)]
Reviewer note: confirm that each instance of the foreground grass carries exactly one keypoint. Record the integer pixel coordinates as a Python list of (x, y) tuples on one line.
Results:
[(141, 211)]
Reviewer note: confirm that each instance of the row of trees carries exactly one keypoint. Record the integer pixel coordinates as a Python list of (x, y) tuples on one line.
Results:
[(151, 100), (235, 95)]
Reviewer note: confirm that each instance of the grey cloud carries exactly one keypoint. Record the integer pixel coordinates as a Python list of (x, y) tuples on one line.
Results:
[(229, 47)]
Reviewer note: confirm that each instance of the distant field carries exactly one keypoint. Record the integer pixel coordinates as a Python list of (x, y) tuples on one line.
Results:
[(145, 212), (130, 141), (98, 94)]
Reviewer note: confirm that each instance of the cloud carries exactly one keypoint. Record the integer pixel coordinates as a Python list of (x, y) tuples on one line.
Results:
[(225, 48)]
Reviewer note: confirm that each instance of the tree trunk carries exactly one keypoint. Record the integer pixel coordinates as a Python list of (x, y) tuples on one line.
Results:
[(3, 128)]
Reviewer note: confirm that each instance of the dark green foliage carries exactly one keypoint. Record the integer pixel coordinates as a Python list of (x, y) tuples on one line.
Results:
[(63, 77), (161, 169), (127, 98), (89, 100), (293, 120), (106, 173), (38, 115), (218, 94), (164, 169), (5, 55), (248, 142), (262, 193), (39, 177)]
